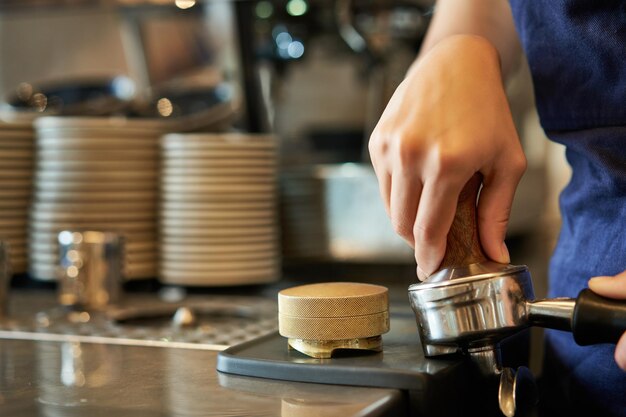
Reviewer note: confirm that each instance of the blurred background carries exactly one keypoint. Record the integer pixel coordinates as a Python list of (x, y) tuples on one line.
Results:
[(219, 137), (314, 73)]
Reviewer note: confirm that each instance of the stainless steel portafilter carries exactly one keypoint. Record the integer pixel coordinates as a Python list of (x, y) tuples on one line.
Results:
[(471, 304)]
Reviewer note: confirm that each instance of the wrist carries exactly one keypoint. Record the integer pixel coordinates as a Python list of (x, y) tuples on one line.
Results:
[(464, 48)]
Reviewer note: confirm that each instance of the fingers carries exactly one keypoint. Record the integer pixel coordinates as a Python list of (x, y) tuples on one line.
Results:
[(405, 195), (400, 190), (494, 208), (377, 154), (435, 214), (384, 185), (493, 211), (612, 287), (620, 352)]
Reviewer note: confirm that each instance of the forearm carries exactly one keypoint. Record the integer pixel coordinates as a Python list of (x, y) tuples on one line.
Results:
[(490, 19)]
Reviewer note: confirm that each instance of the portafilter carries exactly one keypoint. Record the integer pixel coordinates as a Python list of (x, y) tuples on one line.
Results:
[(471, 304)]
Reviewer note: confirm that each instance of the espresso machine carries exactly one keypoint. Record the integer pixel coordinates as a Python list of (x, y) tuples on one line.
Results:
[(450, 364)]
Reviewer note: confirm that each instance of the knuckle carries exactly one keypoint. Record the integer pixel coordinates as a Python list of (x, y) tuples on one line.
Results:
[(495, 220), (500, 222), (497, 216), (446, 163), (377, 146), (497, 226), (519, 164), (372, 146), (425, 234), (408, 154), (401, 228)]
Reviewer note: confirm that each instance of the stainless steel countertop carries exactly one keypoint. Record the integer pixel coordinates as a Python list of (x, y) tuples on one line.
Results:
[(66, 370), (94, 379)]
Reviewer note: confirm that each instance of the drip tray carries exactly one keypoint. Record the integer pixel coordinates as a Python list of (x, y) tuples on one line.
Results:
[(435, 386), (196, 322)]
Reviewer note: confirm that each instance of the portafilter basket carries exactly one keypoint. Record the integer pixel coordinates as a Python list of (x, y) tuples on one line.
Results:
[(471, 304)]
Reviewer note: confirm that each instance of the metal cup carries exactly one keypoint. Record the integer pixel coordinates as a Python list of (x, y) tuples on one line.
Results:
[(90, 269)]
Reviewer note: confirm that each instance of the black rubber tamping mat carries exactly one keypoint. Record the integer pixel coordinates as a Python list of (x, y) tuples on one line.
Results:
[(435, 386)]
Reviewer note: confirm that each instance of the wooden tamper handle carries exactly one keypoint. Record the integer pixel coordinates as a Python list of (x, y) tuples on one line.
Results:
[(463, 244)]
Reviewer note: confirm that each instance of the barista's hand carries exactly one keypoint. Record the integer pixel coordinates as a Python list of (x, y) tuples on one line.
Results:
[(613, 287), (448, 120)]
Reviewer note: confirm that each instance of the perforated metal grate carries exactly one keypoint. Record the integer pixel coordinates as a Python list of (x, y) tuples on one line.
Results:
[(220, 321)]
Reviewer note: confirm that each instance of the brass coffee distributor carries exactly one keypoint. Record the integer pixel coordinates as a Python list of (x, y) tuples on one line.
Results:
[(319, 319), (471, 304)]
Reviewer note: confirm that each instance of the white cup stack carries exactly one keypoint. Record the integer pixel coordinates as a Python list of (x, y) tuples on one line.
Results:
[(96, 174), (16, 172), (218, 223)]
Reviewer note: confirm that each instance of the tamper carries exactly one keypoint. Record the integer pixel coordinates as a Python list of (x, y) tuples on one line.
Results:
[(320, 318), (471, 304)]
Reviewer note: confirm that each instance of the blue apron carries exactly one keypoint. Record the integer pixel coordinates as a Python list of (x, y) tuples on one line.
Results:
[(576, 51)]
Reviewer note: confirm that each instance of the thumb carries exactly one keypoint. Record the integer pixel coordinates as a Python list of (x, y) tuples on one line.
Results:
[(609, 286)]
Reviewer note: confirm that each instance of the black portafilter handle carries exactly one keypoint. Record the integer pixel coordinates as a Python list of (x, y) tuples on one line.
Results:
[(598, 319)]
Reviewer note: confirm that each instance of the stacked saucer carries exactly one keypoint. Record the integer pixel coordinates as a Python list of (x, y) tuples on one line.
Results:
[(303, 220), (218, 210), (97, 174), (16, 171)]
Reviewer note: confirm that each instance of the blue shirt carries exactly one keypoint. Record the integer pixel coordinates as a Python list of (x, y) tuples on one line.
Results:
[(576, 51)]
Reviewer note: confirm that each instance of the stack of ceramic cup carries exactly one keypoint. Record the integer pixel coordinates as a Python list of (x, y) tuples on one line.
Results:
[(303, 223), (16, 171), (96, 174), (218, 210)]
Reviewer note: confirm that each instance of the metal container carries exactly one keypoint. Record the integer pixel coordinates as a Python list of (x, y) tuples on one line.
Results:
[(90, 268), (335, 212)]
